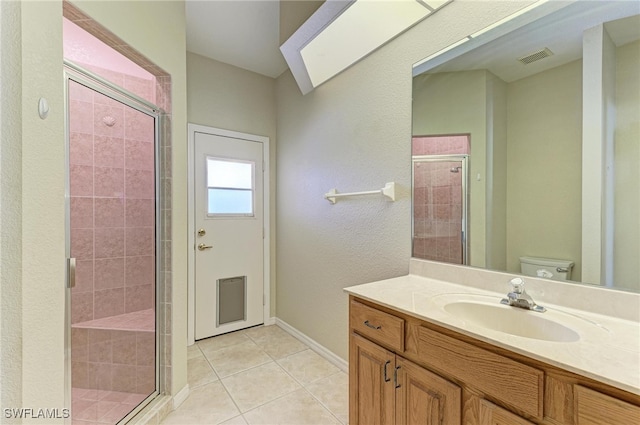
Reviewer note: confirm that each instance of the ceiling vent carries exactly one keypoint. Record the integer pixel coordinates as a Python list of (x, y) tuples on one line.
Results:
[(536, 56)]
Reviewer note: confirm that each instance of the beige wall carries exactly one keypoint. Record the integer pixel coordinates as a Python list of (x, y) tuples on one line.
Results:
[(455, 103), (496, 173), (352, 133), (627, 171), (43, 207), (224, 96), (544, 166), (10, 207)]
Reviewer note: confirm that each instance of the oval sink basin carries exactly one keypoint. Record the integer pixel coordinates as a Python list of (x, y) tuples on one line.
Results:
[(512, 320)]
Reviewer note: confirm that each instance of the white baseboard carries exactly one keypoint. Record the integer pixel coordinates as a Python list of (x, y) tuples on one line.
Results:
[(315, 346), (180, 397), (270, 321)]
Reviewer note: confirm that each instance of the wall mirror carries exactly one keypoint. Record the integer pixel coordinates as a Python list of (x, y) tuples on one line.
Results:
[(526, 146)]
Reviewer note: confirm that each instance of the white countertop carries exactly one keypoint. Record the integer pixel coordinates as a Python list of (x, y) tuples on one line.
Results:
[(608, 349)]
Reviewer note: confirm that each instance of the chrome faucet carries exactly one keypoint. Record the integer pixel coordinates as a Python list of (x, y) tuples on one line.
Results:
[(519, 298)]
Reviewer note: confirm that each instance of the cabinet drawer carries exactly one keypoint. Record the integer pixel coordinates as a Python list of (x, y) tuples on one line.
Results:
[(384, 328), (594, 408), (513, 383)]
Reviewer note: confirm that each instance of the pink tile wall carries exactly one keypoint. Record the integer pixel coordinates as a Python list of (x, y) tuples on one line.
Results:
[(112, 185), (438, 199), (437, 212), (137, 268), (113, 239), (440, 145), (113, 360)]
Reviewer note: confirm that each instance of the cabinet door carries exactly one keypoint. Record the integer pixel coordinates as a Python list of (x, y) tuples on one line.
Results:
[(425, 398), (371, 387), (490, 414)]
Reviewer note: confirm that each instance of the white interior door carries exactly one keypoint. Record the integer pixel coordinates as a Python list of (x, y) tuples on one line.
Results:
[(229, 231)]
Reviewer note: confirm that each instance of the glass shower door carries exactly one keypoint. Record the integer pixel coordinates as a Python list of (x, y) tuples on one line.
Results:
[(112, 237), (439, 208)]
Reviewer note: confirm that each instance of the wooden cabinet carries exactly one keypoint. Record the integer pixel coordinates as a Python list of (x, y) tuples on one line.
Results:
[(511, 382), (403, 370), (595, 408), (425, 398), (386, 388), (490, 414), (371, 387)]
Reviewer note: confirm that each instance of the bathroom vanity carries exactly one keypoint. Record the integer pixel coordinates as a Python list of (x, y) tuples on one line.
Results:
[(428, 351)]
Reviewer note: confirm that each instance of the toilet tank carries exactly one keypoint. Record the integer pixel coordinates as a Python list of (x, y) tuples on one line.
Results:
[(548, 268)]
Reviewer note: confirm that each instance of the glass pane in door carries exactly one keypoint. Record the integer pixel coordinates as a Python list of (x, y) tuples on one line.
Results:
[(112, 233), (438, 211)]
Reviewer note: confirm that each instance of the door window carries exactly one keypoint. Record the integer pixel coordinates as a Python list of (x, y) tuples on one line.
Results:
[(230, 187)]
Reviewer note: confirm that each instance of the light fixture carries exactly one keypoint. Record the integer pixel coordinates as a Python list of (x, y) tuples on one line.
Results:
[(340, 33)]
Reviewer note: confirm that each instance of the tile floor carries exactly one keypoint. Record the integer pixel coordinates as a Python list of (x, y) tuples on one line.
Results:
[(261, 375)]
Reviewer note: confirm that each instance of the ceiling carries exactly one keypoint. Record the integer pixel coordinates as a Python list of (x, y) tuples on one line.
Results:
[(561, 32), (246, 34), (243, 33)]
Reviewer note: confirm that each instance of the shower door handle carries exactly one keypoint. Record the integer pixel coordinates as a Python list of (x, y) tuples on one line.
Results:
[(71, 272)]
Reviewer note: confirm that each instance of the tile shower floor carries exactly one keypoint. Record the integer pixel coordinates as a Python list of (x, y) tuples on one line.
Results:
[(98, 407), (261, 375)]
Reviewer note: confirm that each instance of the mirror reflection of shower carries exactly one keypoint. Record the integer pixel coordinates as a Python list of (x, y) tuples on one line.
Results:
[(440, 198)]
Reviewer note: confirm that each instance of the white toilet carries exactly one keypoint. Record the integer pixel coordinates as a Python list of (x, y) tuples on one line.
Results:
[(547, 268)]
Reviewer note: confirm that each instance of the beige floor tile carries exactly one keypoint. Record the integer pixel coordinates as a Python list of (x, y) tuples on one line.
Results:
[(307, 366), (209, 404), (193, 351), (259, 385), (333, 393), (200, 372), (236, 358), (275, 342), (217, 342), (297, 408)]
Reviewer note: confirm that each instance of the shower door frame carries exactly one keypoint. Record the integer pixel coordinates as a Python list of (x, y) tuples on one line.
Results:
[(79, 75), (464, 228)]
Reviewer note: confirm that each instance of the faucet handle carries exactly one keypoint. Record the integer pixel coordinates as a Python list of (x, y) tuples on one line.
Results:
[(517, 285)]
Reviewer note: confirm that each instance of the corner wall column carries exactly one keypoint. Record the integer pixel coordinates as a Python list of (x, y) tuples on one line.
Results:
[(598, 126)]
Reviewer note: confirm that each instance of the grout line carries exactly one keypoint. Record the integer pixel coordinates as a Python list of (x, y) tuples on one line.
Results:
[(224, 387), (322, 403)]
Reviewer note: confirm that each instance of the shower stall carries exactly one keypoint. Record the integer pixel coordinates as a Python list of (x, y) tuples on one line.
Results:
[(114, 249), (440, 198)]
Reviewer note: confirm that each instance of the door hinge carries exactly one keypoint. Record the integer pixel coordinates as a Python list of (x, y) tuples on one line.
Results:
[(263, 300)]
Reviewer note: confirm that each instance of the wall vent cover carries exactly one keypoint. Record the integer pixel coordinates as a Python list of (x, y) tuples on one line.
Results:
[(536, 56)]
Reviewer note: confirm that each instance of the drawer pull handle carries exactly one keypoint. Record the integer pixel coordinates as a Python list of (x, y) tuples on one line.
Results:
[(369, 325), (395, 377), (386, 378)]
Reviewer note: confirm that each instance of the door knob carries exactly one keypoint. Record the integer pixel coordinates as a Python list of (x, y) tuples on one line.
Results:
[(202, 247)]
